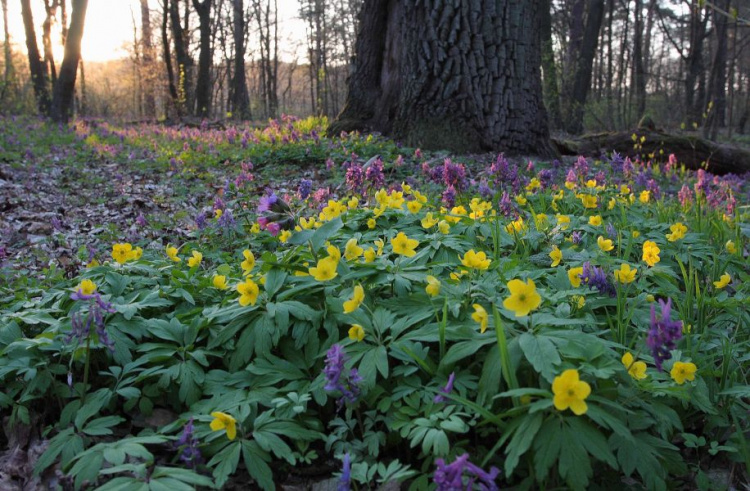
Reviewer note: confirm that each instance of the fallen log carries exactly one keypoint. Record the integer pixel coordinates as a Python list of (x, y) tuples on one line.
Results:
[(691, 150)]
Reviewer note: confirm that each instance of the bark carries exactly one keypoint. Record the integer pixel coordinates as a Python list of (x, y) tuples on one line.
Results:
[(39, 77), (9, 69), (240, 97), (149, 99), (694, 61), (463, 76), (549, 69), (62, 98), (582, 67), (638, 79), (205, 59), (49, 58)]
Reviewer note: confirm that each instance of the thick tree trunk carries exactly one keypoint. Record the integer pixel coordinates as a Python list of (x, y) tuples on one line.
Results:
[(62, 98), (582, 68), (463, 76), (39, 77), (149, 99), (240, 97), (205, 58), (694, 61), (166, 53)]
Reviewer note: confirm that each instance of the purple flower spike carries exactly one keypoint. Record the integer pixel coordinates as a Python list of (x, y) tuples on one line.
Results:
[(445, 390), (450, 477), (337, 379), (346, 474), (663, 334)]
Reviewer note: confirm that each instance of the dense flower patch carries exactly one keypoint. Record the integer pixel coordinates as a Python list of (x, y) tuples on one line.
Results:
[(538, 325)]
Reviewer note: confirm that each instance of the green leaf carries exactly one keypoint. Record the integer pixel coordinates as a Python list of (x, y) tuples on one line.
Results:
[(547, 447), (541, 353), (102, 426), (325, 232), (521, 441), (464, 349), (255, 460), (55, 447), (225, 463), (381, 361)]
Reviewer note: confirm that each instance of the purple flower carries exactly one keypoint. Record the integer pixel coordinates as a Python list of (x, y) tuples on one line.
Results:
[(454, 174), (450, 477), (81, 328), (445, 390), (506, 205), (485, 192), (57, 224), (346, 474), (190, 454), (581, 167), (685, 195), (336, 377), (200, 221), (141, 221), (355, 178), (611, 232), (663, 333), (596, 277), (449, 196), (226, 220), (374, 174), (266, 202), (575, 237), (304, 189), (546, 176), (273, 228)]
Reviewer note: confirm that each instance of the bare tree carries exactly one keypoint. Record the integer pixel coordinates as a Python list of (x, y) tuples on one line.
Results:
[(205, 59), (147, 62), (62, 98), (39, 76)]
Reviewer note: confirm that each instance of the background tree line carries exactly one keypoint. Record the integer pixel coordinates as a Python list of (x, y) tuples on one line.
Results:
[(605, 63)]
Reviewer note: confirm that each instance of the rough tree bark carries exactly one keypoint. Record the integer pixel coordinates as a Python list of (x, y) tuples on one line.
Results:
[(62, 98), (717, 96), (182, 55), (49, 58), (9, 69), (39, 77), (551, 89), (205, 59), (167, 55), (240, 97), (462, 76)]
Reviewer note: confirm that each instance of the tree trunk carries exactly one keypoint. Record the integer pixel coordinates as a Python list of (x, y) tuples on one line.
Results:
[(182, 55), (149, 99), (39, 77), (62, 98), (717, 96), (205, 58), (639, 72), (49, 58), (694, 62), (9, 71), (582, 67), (240, 97), (463, 76), (551, 91), (168, 58)]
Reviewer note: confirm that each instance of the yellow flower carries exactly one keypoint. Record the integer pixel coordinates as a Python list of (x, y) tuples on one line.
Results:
[(611, 204), (248, 292), (358, 296), (624, 190), (380, 244), (429, 221), (574, 275), (325, 269), (588, 201), (403, 245), (644, 196), (556, 256), (723, 281), (352, 203), (371, 223), (92, 264), (195, 260), (595, 220), (480, 317), (414, 206), (352, 250), (476, 260), (570, 392), (249, 263), (523, 297), (521, 200), (683, 371), (136, 254), (122, 252), (731, 248), (444, 227), (284, 236), (605, 245), (223, 421), (516, 226), (651, 252), (172, 253), (218, 212), (369, 255), (579, 301), (86, 287), (356, 333), (625, 275), (220, 282), (650, 298), (678, 232), (433, 286), (307, 223), (333, 251), (255, 228), (636, 234), (636, 369), (563, 221), (591, 183)]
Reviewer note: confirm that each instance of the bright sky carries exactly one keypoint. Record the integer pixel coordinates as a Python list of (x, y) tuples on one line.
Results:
[(109, 27)]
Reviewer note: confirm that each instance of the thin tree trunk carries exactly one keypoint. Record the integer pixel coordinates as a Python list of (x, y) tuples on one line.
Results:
[(9, 69), (638, 79), (203, 83), (184, 61), (718, 77), (149, 99), (62, 98), (240, 96), (549, 69), (168, 57), (49, 58), (39, 77)]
